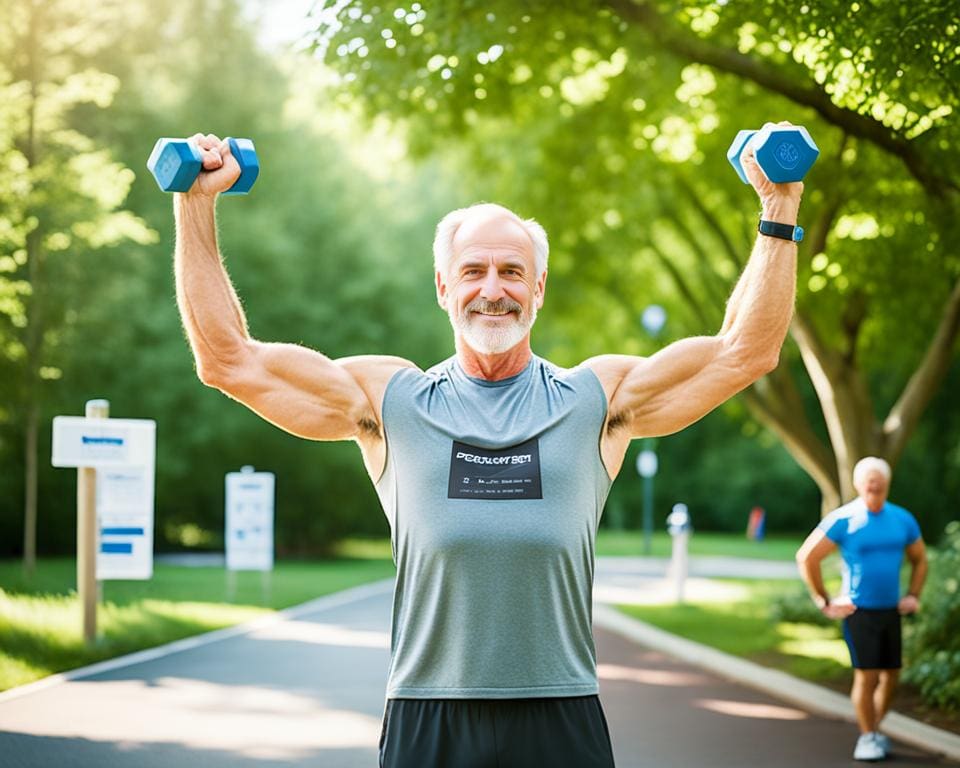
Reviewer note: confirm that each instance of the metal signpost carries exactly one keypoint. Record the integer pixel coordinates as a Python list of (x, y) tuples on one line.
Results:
[(647, 468), (115, 461), (653, 319)]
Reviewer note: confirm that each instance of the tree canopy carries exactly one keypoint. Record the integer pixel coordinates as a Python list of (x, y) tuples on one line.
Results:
[(607, 122), (610, 122)]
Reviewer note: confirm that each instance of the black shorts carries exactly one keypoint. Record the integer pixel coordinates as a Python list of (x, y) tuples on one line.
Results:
[(873, 637), (566, 732)]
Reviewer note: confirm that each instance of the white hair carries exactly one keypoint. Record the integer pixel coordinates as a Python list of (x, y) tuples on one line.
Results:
[(449, 224), (867, 465)]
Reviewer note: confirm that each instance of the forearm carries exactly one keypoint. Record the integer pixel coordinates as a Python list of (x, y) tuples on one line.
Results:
[(917, 578), (813, 577), (761, 306), (209, 306)]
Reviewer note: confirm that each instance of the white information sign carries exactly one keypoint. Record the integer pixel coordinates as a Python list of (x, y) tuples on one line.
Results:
[(125, 522), (249, 521), (80, 442), (123, 451)]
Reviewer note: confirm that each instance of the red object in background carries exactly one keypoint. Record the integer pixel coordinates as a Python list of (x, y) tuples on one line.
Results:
[(756, 524)]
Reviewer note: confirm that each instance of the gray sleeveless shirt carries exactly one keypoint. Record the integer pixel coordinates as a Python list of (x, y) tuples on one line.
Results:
[(493, 491)]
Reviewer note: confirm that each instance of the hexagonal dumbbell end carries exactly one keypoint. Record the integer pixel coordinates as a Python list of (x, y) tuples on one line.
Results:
[(175, 164), (246, 155), (784, 153)]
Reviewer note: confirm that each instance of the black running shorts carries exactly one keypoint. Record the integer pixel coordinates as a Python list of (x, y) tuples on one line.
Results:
[(495, 733), (873, 637)]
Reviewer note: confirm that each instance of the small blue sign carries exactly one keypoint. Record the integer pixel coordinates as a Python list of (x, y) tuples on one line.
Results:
[(121, 531), (116, 548)]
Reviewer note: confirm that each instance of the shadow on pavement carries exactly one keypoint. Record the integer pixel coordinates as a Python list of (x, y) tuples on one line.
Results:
[(25, 751)]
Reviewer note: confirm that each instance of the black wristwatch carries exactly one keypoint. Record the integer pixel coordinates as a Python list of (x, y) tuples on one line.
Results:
[(783, 231)]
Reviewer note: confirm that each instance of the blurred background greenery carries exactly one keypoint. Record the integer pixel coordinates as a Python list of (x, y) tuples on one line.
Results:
[(606, 121)]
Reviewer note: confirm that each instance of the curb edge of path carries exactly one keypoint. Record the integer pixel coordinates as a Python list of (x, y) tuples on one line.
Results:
[(325, 602), (772, 681)]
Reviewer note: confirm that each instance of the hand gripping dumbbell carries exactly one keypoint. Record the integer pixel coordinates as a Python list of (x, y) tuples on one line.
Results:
[(784, 152), (175, 164)]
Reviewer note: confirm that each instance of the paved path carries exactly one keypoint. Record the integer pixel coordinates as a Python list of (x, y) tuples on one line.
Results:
[(307, 690)]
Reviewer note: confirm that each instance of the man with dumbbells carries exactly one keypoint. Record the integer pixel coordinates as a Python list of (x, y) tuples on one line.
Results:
[(492, 467)]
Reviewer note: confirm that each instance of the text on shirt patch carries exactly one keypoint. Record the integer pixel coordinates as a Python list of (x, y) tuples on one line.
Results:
[(503, 474)]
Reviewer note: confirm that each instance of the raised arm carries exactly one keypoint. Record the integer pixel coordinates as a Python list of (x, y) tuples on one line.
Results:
[(297, 389), (686, 380)]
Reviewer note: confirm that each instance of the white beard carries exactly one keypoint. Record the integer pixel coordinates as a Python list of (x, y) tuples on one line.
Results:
[(489, 340)]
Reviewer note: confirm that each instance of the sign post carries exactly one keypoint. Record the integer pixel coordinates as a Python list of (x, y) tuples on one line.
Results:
[(115, 478), (647, 468), (87, 586)]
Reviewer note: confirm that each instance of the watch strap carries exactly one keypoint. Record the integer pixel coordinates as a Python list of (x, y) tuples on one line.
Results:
[(783, 231)]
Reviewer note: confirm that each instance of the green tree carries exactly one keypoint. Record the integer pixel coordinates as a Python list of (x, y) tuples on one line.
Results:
[(308, 264), (610, 122), (62, 198)]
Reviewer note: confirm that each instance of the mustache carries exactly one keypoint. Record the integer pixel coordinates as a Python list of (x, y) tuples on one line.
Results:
[(501, 306)]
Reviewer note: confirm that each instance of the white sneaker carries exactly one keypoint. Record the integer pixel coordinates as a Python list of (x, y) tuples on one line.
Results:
[(868, 748), (884, 742)]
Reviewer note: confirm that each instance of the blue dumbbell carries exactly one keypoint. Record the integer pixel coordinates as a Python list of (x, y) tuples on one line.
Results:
[(175, 164), (784, 152)]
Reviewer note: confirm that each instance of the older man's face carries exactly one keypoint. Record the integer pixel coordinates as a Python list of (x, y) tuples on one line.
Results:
[(491, 290), (873, 489)]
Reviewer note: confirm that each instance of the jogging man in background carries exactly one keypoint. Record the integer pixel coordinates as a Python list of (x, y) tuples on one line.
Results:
[(872, 535), (492, 467)]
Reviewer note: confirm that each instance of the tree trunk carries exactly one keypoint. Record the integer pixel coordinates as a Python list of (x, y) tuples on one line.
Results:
[(30, 495), (34, 330), (845, 402), (776, 403), (32, 400)]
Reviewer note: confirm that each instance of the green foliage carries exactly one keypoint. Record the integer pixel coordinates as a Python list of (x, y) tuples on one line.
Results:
[(583, 119), (931, 640), (609, 122), (62, 191), (797, 607), (307, 263)]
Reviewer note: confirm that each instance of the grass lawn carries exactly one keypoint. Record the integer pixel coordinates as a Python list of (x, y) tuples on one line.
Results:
[(744, 627), (620, 543), (40, 620), (630, 543)]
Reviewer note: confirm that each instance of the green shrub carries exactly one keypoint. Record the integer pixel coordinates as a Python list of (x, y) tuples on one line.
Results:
[(932, 637), (797, 607)]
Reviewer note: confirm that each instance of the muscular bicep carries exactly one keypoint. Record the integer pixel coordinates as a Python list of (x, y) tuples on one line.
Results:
[(677, 386), (306, 393)]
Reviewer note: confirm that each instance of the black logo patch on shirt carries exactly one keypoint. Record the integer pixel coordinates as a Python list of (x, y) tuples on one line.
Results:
[(508, 473)]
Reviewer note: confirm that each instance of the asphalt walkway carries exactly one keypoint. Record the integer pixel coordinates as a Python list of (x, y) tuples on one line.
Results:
[(305, 688)]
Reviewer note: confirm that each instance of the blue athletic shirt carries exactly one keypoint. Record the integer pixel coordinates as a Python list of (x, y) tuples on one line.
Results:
[(871, 545)]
